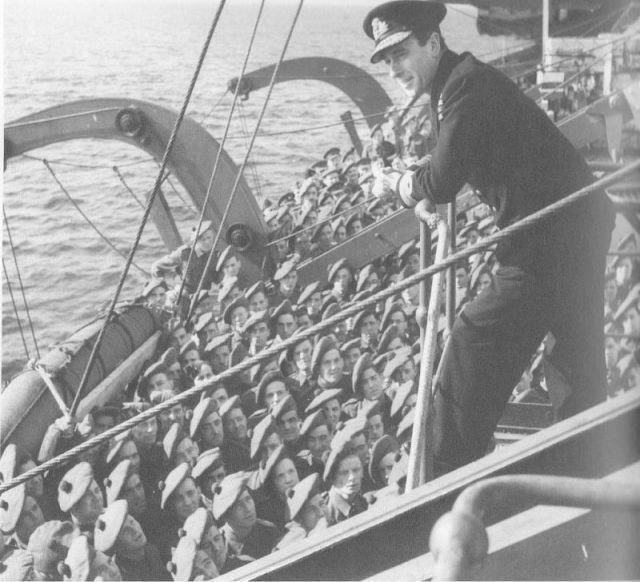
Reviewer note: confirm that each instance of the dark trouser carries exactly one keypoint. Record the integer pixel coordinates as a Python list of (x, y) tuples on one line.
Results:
[(494, 338)]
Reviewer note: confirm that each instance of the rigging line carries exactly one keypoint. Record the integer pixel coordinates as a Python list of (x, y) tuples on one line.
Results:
[(87, 219), (24, 297), (177, 192), (76, 165), (215, 106), (246, 157), (128, 189), (216, 164), (268, 353), (147, 212), (325, 220), (15, 310), (254, 169), (577, 75)]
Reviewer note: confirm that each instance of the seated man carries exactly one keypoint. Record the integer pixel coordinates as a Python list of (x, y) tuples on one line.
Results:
[(176, 261)]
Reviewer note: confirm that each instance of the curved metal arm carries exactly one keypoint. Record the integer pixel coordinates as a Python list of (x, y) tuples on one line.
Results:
[(459, 540), (418, 472)]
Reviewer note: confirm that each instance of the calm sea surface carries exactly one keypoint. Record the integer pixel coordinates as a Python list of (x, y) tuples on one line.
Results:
[(57, 52)]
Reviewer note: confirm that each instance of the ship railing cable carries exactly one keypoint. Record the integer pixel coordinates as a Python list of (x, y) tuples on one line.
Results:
[(611, 45), (127, 187), (15, 309), (215, 106), (88, 166), (88, 220), (240, 172), (185, 204), (216, 163), (356, 119), (349, 311), (156, 188), (14, 254), (251, 163), (325, 220)]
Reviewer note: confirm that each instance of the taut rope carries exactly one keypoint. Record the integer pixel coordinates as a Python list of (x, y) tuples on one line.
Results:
[(516, 228)]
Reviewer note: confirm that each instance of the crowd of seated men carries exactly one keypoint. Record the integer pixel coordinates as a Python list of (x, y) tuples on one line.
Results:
[(289, 448)]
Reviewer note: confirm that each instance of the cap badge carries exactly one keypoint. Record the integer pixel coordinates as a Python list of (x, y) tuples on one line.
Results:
[(379, 28)]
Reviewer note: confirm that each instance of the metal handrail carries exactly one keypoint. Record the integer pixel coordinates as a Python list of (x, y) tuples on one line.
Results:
[(459, 540), (427, 317)]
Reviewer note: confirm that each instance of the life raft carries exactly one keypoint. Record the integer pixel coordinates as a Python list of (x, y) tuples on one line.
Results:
[(27, 406)]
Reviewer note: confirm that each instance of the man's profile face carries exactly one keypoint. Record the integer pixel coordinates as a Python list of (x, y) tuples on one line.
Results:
[(413, 66)]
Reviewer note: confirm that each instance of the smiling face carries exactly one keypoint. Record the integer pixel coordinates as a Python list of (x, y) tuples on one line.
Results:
[(414, 66), (185, 499), (331, 366)]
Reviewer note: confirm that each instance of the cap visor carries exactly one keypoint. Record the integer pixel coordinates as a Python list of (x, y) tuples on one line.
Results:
[(388, 42)]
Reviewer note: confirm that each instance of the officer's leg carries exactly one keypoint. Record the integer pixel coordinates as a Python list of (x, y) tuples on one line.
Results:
[(490, 346), (579, 322)]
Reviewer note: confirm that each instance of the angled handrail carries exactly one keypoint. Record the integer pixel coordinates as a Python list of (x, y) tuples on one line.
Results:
[(459, 540)]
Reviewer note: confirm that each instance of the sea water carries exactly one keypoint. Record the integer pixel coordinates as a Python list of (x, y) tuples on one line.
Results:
[(66, 50)]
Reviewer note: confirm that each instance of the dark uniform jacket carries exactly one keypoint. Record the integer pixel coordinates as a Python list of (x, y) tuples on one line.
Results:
[(498, 140), (149, 568)]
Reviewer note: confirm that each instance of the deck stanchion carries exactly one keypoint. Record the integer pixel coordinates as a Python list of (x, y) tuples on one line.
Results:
[(418, 471), (451, 271)]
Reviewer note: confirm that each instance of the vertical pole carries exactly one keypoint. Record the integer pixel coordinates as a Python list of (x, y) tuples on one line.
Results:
[(417, 466), (418, 472), (546, 48), (451, 271)]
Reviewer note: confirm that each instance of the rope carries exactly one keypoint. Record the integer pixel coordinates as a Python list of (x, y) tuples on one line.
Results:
[(330, 218), (147, 212), (128, 189), (217, 161), (206, 116), (590, 65), (87, 219), (15, 310), (520, 226), (254, 170), (185, 204), (89, 166), (246, 157), (24, 297)]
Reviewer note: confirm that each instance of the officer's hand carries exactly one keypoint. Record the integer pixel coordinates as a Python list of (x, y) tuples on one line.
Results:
[(386, 181)]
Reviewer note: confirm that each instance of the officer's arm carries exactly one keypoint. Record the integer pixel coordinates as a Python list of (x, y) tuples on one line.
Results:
[(449, 167)]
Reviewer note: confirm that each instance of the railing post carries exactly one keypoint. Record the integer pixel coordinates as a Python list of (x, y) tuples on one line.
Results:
[(418, 472), (451, 271)]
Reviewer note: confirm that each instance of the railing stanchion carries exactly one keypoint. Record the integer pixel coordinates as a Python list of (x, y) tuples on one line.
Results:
[(451, 271), (418, 471)]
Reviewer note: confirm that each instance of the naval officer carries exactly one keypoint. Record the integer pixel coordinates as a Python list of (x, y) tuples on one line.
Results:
[(550, 278)]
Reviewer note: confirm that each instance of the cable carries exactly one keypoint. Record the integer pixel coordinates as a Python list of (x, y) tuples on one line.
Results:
[(15, 310), (121, 178), (87, 219), (24, 297), (217, 161), (246, 158), (268, 353), (147, 212)]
